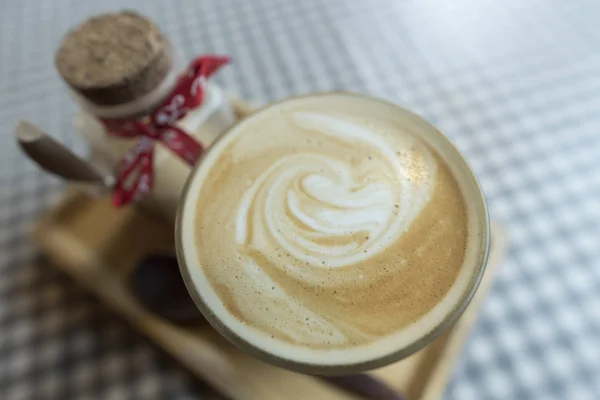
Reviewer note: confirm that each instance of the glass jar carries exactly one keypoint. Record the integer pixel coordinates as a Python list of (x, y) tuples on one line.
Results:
[(205, 123)]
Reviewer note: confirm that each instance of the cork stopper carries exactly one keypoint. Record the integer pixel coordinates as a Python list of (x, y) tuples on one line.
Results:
[(114, 58)]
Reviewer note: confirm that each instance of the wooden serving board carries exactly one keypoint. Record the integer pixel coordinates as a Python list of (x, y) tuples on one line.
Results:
[(99, 246)]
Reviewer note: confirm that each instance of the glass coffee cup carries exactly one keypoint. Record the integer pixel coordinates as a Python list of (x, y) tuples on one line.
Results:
[(332, 233)]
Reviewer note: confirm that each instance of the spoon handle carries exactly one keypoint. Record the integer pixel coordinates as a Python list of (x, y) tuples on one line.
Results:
[(55, 158)]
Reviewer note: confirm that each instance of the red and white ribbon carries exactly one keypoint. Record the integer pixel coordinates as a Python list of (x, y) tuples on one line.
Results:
[(135, 172)]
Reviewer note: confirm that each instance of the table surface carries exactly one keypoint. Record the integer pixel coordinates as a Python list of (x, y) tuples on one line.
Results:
[(513, 83)]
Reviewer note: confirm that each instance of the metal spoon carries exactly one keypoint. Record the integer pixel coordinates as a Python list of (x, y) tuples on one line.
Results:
[(57, 159)]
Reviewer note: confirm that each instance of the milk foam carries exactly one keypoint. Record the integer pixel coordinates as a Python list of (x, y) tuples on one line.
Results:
[(306, 200), (310, 197), (320, 236)]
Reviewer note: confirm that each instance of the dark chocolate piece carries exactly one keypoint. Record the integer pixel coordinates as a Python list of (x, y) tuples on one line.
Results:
[(158, 285), (365, 385)]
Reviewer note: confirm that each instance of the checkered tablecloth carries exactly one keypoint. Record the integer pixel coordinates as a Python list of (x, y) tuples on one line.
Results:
[(514, 83)]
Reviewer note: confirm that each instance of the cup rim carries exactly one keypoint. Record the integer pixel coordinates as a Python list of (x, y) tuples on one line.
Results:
[(337, 369)]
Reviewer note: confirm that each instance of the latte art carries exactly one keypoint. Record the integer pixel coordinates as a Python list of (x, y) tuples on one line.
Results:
[(327, 230), (322, 208), (327, 210)]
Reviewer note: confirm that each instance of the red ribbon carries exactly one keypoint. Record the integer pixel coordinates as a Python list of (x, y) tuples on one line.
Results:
[(134, 176)]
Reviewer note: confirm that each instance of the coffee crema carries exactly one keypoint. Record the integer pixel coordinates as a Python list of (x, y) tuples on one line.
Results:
[(325, 229), (325, 224)]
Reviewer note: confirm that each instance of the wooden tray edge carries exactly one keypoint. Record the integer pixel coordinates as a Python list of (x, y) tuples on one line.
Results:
[(48, 235)]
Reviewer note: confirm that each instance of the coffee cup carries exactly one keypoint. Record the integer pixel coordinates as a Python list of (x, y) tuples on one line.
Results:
[(332, 233)]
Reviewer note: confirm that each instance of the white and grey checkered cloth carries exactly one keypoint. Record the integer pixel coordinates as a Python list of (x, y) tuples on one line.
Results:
[(514, 83)]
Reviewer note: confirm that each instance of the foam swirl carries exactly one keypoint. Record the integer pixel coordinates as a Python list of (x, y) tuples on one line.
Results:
[(329, 211), (325, 210)]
